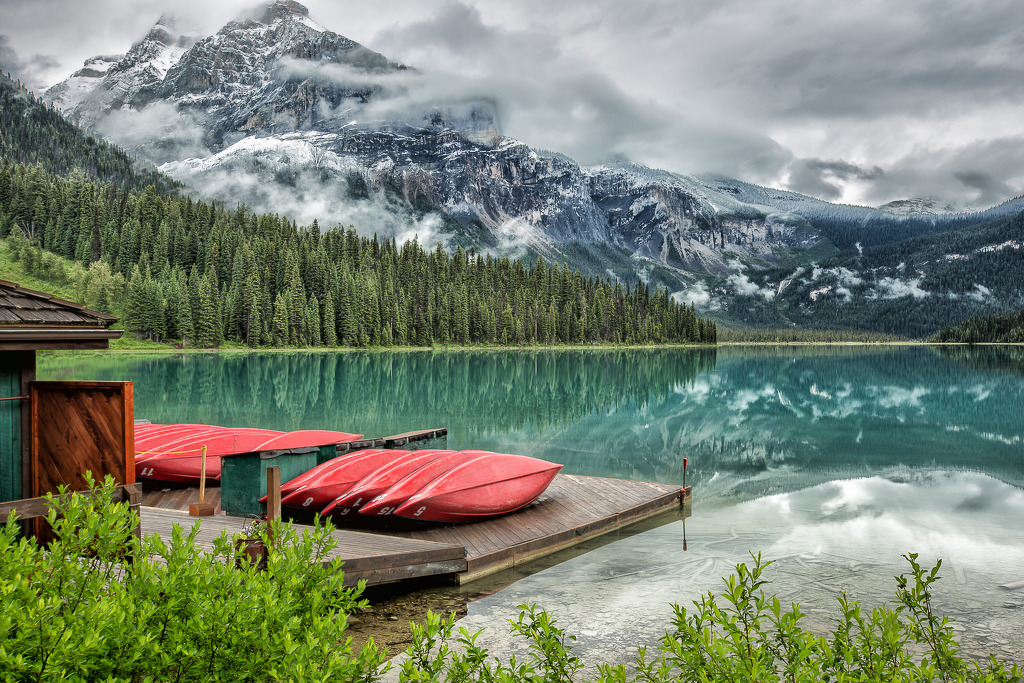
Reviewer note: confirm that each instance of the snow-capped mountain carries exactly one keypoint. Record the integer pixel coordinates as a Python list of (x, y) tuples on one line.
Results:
[(923, 206), (280, 113), (123, 81)]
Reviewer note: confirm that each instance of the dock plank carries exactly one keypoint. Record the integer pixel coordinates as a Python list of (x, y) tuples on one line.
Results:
[(376, 558), (574, 508)]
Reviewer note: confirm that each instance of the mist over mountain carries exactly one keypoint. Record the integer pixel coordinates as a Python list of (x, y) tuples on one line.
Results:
[(282, 114)]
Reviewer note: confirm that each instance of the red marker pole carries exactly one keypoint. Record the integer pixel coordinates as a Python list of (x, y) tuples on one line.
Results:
[(684, 476)]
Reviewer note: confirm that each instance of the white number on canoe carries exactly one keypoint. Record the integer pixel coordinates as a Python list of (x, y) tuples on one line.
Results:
[(420, 511), (306, 503), (146, 472), (386, 511)]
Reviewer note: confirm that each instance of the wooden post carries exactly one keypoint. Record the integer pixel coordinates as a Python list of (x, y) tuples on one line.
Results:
[(203, 509), (273, 493), (202, 476)]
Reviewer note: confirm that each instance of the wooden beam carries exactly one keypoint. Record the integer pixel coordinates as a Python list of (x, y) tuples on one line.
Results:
[(273, 493), (30, 508), (28, 374)]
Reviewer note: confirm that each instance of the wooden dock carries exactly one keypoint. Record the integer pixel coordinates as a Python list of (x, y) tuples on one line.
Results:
[(375, 558), (573, 509)]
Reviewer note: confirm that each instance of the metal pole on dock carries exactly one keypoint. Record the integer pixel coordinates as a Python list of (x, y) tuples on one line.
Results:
[(203, 509)]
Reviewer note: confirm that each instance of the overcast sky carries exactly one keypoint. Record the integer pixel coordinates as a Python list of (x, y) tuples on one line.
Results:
[(855, 101)]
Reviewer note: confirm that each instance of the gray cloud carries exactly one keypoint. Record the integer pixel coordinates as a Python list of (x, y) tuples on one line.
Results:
[(28, 72), (912, 99), (978, 174), (9, 60), (555, 99), (989, 189), (820, 178)]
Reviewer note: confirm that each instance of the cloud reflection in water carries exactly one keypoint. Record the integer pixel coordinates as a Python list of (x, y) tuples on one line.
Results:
[(842, 535)]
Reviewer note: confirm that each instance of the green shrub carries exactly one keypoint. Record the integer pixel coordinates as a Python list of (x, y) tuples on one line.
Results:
[(78, 611), (81, 611), (740, 635)]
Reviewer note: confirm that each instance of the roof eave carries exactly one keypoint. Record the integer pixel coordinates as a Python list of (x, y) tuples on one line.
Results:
[(57, 338)]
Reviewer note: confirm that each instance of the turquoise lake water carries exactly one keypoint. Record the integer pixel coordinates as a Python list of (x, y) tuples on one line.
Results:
[(834, 462)]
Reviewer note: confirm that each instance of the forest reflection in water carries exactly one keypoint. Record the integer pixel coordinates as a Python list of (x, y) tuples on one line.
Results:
[(751, 421)]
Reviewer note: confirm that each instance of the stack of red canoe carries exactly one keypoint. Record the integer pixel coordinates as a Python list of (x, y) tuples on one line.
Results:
[(174, 452), (432, 485)]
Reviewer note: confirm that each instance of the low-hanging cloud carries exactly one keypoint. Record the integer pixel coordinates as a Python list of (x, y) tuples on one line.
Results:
[(826, 179), (160, 132), (897, 288), (299, 177), (742, 285), (27, 71), (696, 294)]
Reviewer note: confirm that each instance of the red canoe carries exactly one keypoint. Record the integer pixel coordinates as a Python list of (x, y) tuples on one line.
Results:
[(387, 502), (173, 452), (307, 438), (295, 483), (380, 480), (155, 440), (332, 482), (181, 460), (492, 484)]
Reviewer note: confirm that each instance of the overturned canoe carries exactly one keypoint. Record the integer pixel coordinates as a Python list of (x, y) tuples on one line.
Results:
[(306, 438), (331, 482), (304, 479), (395, 495), (156, 437), (180, 460), (174, 452), (488, 485), (381, 479)]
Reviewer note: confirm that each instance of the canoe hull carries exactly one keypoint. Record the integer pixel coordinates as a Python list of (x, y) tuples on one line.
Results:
[(332, 482), (179, 470), (485, 487), (173, 452), (398, 493), (381, 479)]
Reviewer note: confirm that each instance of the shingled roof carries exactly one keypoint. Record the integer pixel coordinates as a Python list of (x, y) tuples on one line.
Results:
[(36, 320)]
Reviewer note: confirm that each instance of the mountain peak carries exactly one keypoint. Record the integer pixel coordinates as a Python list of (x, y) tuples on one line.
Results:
[(277, 10)]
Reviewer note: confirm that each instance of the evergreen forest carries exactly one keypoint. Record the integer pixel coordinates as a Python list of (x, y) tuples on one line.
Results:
[(1005, 328), (202, 274)]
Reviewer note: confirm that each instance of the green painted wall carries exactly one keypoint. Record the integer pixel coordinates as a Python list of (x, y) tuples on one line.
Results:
[(10, 426), (243, 479)]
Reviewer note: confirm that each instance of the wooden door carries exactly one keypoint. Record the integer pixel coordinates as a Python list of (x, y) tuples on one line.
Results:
[(78, 427)]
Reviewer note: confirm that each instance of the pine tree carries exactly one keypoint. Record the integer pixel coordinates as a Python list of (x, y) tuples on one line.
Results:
[(313, 314), (329, 326), (281, 326), (186, 319)]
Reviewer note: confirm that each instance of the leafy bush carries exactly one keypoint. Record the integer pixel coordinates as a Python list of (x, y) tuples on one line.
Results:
[(80, 611), (740, 635)]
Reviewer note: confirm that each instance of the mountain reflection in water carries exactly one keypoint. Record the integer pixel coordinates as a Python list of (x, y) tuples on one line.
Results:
[(834, 462)]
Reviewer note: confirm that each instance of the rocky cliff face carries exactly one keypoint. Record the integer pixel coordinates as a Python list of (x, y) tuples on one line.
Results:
[(278, 112)]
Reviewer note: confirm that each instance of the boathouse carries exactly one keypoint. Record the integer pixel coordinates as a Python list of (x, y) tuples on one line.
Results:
[(53, 432)]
